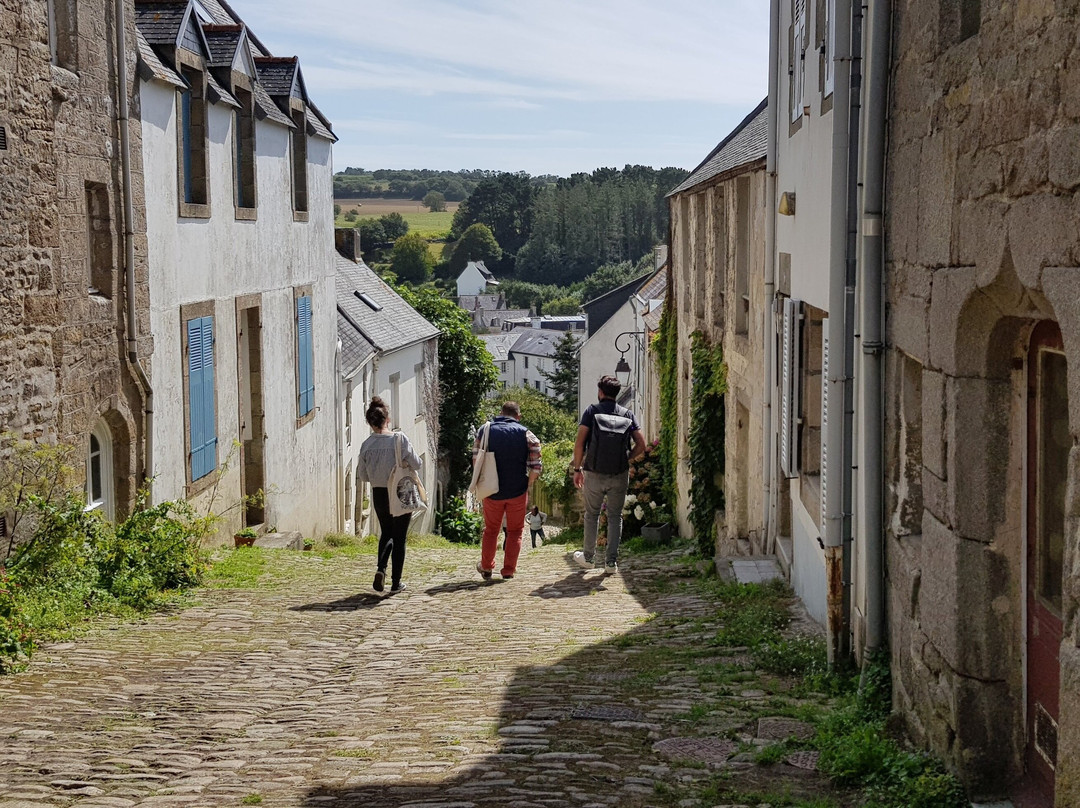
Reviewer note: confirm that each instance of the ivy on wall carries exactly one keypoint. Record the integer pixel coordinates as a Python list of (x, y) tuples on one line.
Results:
[(706, 439), (666, 347)]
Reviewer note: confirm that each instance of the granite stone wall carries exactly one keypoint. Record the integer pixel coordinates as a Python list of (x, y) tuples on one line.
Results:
[(983, 242), (62, 298)]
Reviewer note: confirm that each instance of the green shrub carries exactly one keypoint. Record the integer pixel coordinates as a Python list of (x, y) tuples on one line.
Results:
[(16, 642), (456, 523)]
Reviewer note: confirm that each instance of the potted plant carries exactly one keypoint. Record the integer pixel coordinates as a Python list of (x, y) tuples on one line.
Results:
[(245, 537), (657, 531)]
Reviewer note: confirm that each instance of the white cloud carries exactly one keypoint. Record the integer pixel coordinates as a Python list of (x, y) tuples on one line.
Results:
[(711, 51)]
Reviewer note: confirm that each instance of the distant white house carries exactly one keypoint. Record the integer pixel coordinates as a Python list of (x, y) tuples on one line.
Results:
[(475, 279), (500, 347), (552, 322), (239, 246), (533, 355), (617, 331), (386, 349)]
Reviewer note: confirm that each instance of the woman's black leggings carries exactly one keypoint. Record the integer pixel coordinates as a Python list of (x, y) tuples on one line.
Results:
[(394, 528)]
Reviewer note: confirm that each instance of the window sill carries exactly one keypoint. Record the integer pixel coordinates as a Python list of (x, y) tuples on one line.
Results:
[(196, 487), (192, 210), (245, 214), (305, 419), (300, 216)]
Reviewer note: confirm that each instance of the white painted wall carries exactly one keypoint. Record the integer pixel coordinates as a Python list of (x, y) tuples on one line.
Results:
[(599, 357), (528, 376), (219, 259), (471, 281), (408, 415)]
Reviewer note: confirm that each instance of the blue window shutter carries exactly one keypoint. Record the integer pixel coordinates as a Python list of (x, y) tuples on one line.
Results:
[(304, 358), (202, 421), (185, 128)]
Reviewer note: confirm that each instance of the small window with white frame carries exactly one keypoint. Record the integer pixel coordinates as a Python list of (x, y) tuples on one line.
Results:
[(99, 472)]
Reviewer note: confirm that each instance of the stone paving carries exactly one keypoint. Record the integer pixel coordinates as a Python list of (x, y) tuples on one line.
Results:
[(547, 690)]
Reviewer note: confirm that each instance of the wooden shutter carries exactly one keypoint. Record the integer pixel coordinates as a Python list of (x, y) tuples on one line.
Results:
[(824, 419), (830, 45), (304, 356), (202, 420), (789, 388), (798, 60)]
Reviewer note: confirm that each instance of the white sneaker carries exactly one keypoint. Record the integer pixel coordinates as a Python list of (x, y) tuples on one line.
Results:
[(582, 561), (611, 568)]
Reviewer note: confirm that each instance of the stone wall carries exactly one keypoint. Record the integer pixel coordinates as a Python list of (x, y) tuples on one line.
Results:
[(704, 257), (62, 366), (983, 241)]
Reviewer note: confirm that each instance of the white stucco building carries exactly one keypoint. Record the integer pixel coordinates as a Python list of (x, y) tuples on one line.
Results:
[(500, 346), (239, 222), (388, 350), (476, 279), (617, 330)]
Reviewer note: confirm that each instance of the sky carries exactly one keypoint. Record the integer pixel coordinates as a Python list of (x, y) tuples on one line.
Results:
[(541, 86)]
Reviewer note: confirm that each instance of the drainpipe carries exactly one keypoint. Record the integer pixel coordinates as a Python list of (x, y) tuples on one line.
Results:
[(768, 466), (835, 474), (870, 306), (129, 243), (340, 385)]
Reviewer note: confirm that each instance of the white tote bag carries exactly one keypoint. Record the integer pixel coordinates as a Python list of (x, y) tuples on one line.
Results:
[(407, 494), (485, 476)]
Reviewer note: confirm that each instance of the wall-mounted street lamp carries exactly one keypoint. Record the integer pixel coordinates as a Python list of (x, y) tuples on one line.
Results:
[(623, 369)]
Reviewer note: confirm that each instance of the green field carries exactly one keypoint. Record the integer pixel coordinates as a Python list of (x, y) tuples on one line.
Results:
[(420, 219)]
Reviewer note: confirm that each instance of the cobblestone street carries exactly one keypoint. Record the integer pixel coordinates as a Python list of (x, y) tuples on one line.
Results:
[(309, 689)]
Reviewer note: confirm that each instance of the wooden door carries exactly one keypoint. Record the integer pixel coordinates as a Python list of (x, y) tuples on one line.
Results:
[(1047, 475)]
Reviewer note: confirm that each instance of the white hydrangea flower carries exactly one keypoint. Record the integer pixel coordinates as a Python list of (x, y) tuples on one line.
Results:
[(631, 499), (639, 513), (652, 505)]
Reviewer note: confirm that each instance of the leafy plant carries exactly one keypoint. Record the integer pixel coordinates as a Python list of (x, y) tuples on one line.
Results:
[(246, 533), (706, 440), (457, 523), (645, 501), (666, 347), (30, 472)]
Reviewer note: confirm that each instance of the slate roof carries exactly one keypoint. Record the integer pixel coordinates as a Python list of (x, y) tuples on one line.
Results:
[(216, 93), (395, 326), (269, 109), (655, 288), (160, 20), (222, 41), (355, 349), (317, 125), (474, 302), (601, 309), (222, 14), (747, 143), (499, 345), (276, 74), (539, 341), (488, 275), (151, 67)]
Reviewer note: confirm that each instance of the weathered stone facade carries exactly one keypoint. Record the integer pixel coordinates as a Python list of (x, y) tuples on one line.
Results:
[(718, 222), (63, 366), (983, 244)]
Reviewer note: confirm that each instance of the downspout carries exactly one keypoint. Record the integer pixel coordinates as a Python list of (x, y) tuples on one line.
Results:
[(129, 244), (851, 257), (835, 473), (768, 467), (870, 305), (339, 427)]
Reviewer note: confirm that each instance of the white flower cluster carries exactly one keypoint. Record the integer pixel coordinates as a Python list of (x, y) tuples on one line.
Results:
[(639, 513)]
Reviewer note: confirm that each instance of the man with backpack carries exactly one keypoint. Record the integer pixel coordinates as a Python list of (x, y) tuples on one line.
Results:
[(601, 466)]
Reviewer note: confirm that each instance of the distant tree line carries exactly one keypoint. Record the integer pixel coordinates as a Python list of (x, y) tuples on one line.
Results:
[(415, 184)]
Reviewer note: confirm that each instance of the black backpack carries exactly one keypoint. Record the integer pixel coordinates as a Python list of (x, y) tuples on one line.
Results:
[(609, 442)]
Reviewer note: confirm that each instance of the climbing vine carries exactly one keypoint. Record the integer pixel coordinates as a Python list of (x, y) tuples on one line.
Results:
[(665, 345), (706, 439)]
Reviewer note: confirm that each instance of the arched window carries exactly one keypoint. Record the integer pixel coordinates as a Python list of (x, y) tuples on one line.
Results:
[(99, 472)]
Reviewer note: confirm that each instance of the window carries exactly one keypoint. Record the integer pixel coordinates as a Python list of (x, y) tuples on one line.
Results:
[(502, 367), (99, 248), (742, 255), (201, 409), (99, 472), (537, 383), (1052, 445), (797, 67), (298, 140), (526, 363), (827, 39), (191, 136), (63, 34), (244, 137), (305, 359), (395, 400), (348, 414)]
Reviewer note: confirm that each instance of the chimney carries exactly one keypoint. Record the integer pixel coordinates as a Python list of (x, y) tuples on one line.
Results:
[(660, 255), (347, 241)]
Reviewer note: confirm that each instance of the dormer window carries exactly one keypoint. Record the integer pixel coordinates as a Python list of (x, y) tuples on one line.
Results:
[(299, 165), (244, 154), (192, 174)]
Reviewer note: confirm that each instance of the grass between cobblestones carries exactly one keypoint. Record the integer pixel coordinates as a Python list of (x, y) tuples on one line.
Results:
[(697, 659)]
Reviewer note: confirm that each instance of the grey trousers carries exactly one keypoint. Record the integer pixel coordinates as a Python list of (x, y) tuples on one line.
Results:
[(597, 489)]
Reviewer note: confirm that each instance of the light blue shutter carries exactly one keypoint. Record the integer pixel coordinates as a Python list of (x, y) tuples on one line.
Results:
[(306, 372), (202, 420)]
